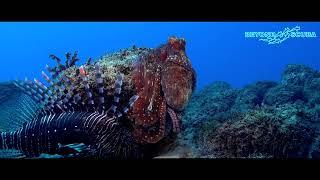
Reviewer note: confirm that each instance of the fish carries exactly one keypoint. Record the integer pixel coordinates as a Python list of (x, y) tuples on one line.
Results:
[(67, 120)]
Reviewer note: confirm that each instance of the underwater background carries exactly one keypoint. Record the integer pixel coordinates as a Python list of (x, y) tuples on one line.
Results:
[(218, 50), (252, 99)]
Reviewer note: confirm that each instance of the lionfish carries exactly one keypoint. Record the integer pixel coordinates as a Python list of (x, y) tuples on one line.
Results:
[(70, 123), (77, 120)]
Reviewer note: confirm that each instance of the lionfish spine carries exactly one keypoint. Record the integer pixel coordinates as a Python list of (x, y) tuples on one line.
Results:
[(56, 90), (86, 85), (69, 91), (99, 81), (117, 91), (28, 88), (44, 93), (125, 110), (58, 86)]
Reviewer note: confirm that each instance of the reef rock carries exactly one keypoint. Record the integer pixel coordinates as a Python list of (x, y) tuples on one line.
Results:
[(208, 105), (262, 120), (213, 99), (283, 94), (261, 133), (252, 95), (298, 75)]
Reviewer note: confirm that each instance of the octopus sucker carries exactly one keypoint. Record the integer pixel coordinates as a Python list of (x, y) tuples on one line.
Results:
[(141, 132), (176, 120)]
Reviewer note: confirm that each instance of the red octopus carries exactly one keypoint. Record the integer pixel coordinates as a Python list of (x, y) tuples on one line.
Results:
[(164, 80)]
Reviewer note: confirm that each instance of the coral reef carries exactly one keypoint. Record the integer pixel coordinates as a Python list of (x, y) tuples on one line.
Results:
[(283, 94), (259, 132), (265, 119), (211, 101), (208, 105), (252, 95)]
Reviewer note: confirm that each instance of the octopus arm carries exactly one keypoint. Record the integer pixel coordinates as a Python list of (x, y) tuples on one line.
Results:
[(142, 133)]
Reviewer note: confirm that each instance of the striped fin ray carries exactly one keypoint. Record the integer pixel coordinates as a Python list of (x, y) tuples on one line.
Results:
[(56, 82), (86, 85), (56, 93), (30, 89), (43, 92), (47, 94), (117, 92), (60, 84), (70, 96), (38, 92), (77, 98), (69, 92), (11, 153), (17, 110), (99, 81), (125, 110)]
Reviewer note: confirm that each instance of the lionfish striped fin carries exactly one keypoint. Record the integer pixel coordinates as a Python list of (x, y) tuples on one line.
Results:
[(69, 91), (47, 94), (77, 98), (55, 80), (46, 102), (117, 91), (86, 85), (11, 153), (58, 88), (42, 90), (46, 77), (125, 110), (61, 94), (28, 88), (17, 109), (36, 93), (99, 81)]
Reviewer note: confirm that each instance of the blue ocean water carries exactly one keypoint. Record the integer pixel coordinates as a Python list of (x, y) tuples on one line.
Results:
[(218, 50)]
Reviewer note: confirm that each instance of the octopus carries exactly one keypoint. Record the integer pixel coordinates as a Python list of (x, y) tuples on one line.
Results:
[(165, 80)]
